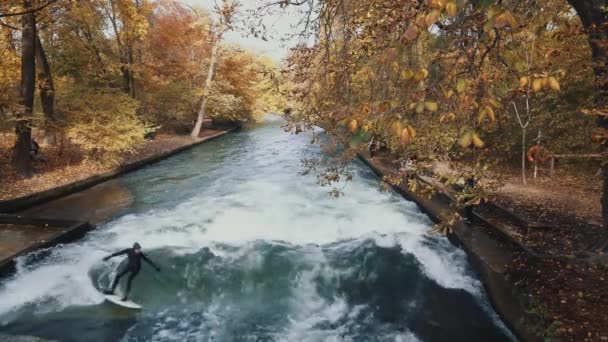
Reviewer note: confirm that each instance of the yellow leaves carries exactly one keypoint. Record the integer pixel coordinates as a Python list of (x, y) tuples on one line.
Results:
[(537, 84), (447, 93), (396, 127), (407, 74), (477, 142), (436, 4), (420, 107), (523, 81), (353, 126), (553, 84), (466, 139), (447, 117), (432, 17), (451, 9), (461, 85), (422, 74), (545, 83), (491, 113), (421, 21), (407, 134), (470, 138), (431, 106), (486, 112), (411, 131), (417, 76)]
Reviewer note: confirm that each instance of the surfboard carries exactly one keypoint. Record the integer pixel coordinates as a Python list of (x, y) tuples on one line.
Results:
[(117, 300)]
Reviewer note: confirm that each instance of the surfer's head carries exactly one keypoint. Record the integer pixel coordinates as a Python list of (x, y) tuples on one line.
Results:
[(137, 247)]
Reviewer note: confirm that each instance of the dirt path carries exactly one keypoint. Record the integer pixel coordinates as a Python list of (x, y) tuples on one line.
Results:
[(61, 168)]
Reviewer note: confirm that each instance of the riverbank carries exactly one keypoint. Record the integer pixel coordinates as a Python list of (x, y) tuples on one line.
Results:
[(63, 173), (36, 228), (539, 295), (269, 257)]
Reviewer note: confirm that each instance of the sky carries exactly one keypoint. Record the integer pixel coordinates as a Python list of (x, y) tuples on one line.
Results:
[(280, 24)]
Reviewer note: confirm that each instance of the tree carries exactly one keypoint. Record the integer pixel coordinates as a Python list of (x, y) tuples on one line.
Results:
[(47, 93), (594, 17), (21, 154), (442, 66), (226, 15)]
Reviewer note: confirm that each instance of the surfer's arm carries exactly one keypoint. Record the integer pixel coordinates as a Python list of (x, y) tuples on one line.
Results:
[(124, 251), (150, 262)]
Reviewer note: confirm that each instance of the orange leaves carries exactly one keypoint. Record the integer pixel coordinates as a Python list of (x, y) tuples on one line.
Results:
[(365, 109), (384, 107), (410, 34), (499, 18), (407, 134), (505, 19), (388, 56), (403, 131)]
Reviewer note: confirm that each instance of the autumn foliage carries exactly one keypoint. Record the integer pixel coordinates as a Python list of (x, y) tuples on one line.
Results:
[(122, 69), (475, 84)]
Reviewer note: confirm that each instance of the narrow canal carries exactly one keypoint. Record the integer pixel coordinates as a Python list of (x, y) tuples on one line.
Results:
[(252, 251)]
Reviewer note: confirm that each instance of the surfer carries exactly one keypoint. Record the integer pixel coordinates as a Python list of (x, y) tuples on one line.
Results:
[(134, 256)]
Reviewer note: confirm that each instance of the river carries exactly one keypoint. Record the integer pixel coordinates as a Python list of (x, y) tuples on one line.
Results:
[(252, 251)]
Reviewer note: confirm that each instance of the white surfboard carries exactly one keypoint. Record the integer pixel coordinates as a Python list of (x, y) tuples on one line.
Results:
[(118, 301)]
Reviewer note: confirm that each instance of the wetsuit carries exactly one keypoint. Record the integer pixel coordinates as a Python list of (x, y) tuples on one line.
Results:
[(133, 266)]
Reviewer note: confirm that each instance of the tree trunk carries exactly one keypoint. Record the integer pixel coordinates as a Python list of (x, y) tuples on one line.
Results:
[(523, 157), (21, 154), (131, 72), (201, 112), (47, 94), (594, 18)]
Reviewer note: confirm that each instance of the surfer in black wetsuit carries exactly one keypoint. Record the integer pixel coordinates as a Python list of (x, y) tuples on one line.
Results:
[(134, 264)]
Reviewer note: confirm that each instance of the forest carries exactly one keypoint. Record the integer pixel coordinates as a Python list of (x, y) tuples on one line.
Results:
[(95, 78), (500, 102)]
